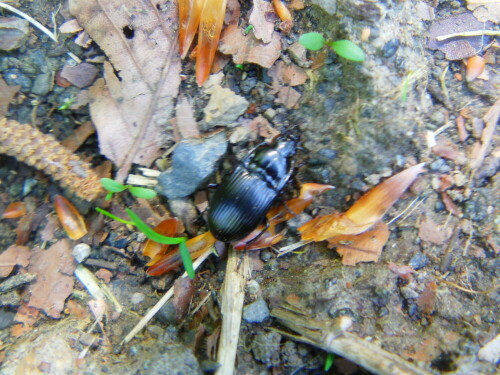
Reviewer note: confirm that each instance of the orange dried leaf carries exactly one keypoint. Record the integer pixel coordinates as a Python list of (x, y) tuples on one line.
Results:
[(212, 17), (172, 260), (14, 255), (189, 20), (70, 218), (14, 210), (368, 210), (364, 247), (373, 205), (170, 228)]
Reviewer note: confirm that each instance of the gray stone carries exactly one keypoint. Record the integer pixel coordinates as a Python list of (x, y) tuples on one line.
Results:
[(13, 32), (42, 84), (193, 162), (175, 360), (329, 6), (224, 107), (266, 348), (256, 312)]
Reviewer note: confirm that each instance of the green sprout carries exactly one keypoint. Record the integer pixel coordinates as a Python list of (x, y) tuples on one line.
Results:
[(113, 186), (248, 29), (330, 358), (239, 66), (66, 103), (156, 237), (344, 48)]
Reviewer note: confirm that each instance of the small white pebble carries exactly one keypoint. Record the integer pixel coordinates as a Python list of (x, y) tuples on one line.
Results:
[(81, 252), (137, 298)]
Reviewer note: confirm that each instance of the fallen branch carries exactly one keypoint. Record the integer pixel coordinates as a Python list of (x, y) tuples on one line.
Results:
[(232, 307), (333, 339)]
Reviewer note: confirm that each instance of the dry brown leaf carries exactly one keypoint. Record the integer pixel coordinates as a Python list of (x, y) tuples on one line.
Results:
[(260, 20), (364, 247), (183, 292), (287, 74), (431, 232), (13, 256), (81, 75), (427, 300), (248, 49), (288, 96), (445, 148), (458, 48), (27, 317), (7, 93), (135, 98), (485, 10), (54, 268)]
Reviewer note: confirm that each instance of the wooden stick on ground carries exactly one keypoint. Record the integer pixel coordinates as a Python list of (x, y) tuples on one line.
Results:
[(232, 307), (332, 339)]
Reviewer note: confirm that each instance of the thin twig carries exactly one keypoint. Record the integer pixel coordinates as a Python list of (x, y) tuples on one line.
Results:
[(287, 249), (152, 312), (492, 289), (468, 34)]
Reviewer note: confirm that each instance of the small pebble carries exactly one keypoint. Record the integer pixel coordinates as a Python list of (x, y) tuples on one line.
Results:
[(42, 84), (419, 261), (390, 48), (137, 298), (81, 252), (253, 287), (256, 312)]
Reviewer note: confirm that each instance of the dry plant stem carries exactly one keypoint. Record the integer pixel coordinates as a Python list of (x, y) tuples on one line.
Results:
[(345, 344), (38, 25), (467, 34), (45, 153), (232, 307), (151, 313)]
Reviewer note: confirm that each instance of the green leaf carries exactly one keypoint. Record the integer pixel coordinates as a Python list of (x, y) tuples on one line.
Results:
[(141, 192), (112, 185), (330, 358), (186, 259), (114, 217), (348, 50), (150, 233), (313, 41)]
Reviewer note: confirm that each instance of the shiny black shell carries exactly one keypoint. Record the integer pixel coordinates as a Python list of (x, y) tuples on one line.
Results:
[(244, 197)]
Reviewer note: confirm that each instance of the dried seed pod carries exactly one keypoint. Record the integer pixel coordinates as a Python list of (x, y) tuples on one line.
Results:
[(42, 151), (70, 218), (14, 210), (475, 66)]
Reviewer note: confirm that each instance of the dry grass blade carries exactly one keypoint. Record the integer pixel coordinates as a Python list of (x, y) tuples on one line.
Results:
[(132, 105)]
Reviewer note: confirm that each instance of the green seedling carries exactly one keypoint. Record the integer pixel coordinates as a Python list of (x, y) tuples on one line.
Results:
[(113, 186), (66, 103), (248, 29), (240, 66), (344, 48), (157, 237), (330, 358)]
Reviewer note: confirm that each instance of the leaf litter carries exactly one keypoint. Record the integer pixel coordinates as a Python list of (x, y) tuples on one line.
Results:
[(135, 97)]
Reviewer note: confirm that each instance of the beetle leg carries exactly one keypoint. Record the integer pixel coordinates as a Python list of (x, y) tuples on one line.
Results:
[(266, 227)]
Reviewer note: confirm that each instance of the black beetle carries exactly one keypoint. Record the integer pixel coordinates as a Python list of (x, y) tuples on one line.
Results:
[(244, 197)]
